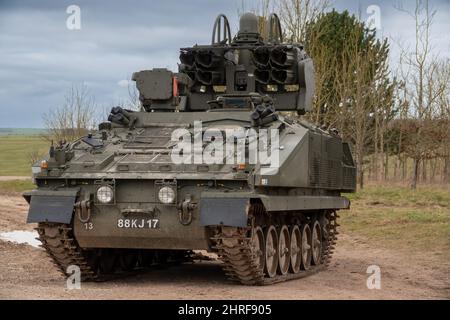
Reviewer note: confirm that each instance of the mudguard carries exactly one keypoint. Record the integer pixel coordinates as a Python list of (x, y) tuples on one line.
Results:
[(231, 209), (230, 212), (51, 206)]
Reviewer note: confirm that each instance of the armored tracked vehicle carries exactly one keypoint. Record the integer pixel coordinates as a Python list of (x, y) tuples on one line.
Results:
[(212, 161)]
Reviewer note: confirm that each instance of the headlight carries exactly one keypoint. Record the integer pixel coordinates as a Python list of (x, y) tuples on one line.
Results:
[(105, 194), (166, 195)]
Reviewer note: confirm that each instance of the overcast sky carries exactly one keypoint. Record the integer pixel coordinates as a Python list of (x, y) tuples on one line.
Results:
[(40, 58)]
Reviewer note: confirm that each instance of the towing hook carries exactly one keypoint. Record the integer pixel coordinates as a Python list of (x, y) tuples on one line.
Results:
[(83, 210), (185, 210)]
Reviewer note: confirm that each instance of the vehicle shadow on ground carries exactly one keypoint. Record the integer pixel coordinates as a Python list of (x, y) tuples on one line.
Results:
[(198, 272)]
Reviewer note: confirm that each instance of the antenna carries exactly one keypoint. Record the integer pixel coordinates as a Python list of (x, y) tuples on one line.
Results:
[(275, 32), (217, 36)]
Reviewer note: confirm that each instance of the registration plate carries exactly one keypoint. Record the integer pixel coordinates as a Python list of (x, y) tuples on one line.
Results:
[(138, 223)]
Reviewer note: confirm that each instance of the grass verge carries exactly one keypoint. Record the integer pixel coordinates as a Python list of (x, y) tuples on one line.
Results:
[(16, 186), (400, 218), (16, 153)]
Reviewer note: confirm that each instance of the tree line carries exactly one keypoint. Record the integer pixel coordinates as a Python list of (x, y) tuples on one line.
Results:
[(396, 114)]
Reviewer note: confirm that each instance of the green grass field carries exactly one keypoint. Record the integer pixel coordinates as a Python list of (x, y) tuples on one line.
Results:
[(16, 152), (21, 131), (400, 218), (16, 186)]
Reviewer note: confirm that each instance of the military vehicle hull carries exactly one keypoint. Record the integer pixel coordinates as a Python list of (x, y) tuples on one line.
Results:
[(225, 208), (120, 199)]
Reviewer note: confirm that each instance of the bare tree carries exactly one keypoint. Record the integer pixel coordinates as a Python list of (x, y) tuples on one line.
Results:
[(261, 8), (34, 155), (443, 114), (357, 95), (296, 14), (423, 87), (74, 118), (133, 102)]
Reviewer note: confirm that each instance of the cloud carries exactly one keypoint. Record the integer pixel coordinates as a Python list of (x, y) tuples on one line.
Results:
[(40, 59), (123, 83), (399, 27)]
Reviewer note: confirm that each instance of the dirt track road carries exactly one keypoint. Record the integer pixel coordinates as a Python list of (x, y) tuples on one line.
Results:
[(26, 273), (12, 178)]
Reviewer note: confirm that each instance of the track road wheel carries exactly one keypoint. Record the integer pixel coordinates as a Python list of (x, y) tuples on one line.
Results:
[(271, 252), (306, 247), (316, 242), (258, 245), (284, 256), (296, 249)]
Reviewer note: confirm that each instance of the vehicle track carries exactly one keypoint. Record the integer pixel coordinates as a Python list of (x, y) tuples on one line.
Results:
[(241, 260), (101, 264)]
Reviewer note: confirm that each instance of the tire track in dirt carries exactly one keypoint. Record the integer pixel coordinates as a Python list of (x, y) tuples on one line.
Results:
[(12, 178), (13, 213)]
